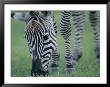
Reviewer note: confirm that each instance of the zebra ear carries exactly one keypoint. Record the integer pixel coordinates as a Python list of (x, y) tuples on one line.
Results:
[(12, 15), (31, 13), (46, 13)]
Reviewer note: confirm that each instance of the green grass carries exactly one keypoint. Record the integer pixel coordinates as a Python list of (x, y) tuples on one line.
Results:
[(21, 61)]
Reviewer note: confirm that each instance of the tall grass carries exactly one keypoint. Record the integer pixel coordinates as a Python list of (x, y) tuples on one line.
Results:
[(21, 60)]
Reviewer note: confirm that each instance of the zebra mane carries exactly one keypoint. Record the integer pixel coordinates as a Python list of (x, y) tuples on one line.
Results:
[(34, 25)]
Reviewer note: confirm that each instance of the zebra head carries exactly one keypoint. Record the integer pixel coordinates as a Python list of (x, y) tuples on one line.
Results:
[(40, 35)]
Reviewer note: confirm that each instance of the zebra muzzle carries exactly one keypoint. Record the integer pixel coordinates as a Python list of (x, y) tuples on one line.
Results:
[(37, 69)]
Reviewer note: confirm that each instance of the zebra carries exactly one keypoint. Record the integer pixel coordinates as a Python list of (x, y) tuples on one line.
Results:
[(40, 35), (72, 57), (78, 19)]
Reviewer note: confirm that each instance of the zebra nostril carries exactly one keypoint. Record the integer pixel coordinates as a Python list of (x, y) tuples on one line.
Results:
[(40, 73)]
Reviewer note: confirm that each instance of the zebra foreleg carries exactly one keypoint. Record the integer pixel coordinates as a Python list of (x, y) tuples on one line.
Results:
[(66, 32), (78, 22), (95, 24), (69, 62)]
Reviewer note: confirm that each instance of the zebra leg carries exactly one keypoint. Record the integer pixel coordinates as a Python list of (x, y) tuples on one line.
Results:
[(66, 32), (69, 63), (55, 54), (95, 24), (78, 22), (55, 60)]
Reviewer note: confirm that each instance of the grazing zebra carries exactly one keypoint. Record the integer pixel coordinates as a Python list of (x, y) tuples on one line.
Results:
[(78, 18), (71, 57), (41, 38)]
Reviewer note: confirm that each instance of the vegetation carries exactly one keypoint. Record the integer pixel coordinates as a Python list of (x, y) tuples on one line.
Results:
[(21, 60)]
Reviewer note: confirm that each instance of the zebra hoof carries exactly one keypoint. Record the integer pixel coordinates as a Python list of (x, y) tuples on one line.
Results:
[(97, 50), (98, 57), (76, 57), (54, 68), (69, 69), (79, 57), (98, 61)]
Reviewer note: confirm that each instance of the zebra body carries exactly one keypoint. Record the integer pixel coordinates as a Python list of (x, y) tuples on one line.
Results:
[(78, 21), (41, 39)]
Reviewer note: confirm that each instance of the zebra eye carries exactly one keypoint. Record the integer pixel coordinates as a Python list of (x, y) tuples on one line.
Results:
[(45, 37)]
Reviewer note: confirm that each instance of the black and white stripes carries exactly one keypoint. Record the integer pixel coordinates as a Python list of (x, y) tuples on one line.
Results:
[(78, 21), (95, 24), (41, 39), (40, 33)]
